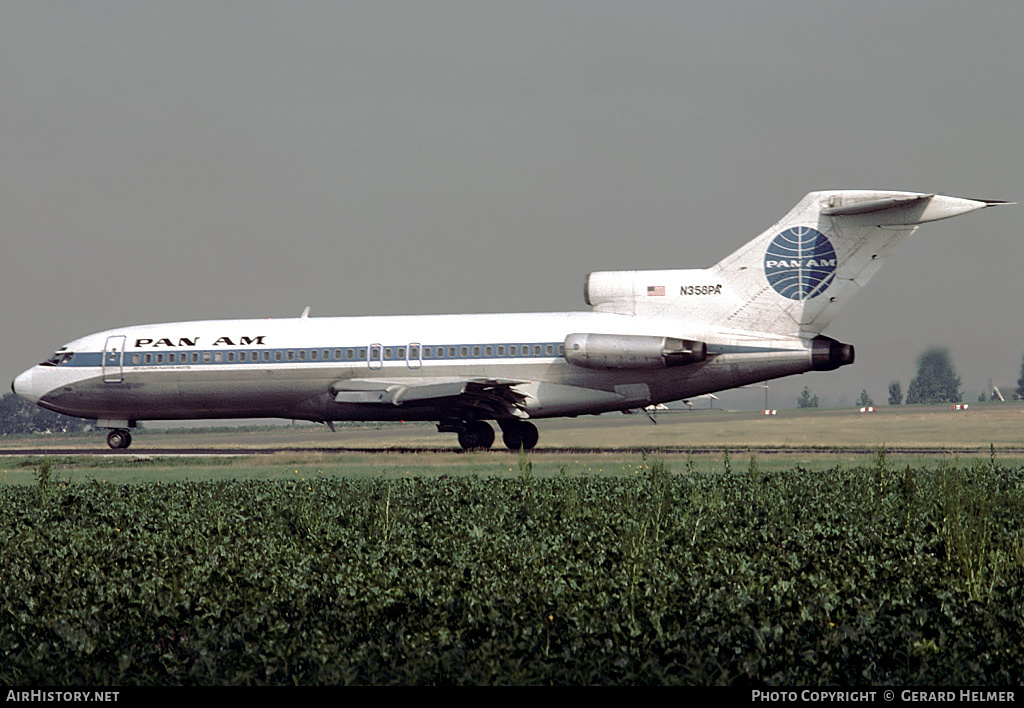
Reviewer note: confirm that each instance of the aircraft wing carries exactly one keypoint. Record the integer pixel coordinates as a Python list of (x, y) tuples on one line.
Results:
[(495, 397)]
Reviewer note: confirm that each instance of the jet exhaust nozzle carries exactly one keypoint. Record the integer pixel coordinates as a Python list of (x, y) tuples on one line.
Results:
[(827, 354)]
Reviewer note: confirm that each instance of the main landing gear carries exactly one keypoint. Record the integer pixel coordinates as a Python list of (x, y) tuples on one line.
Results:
[(518, 434), (119, 439), (479, 435)]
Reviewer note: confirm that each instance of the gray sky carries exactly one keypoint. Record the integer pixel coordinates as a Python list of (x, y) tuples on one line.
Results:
[(167, 161)]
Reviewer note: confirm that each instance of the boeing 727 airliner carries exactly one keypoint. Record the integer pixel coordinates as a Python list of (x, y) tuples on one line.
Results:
[(651, 337)]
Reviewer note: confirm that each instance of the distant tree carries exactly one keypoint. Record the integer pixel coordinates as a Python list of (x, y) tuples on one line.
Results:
[(18, 416), (895, 393), (981, 397), (1019, 393), (806, 400), (936, 380), (865, 399)]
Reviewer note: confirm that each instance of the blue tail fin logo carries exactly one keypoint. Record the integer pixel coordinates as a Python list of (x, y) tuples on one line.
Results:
[(800, 263)]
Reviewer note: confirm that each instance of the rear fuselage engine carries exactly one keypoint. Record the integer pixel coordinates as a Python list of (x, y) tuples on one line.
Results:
[(632, 351)]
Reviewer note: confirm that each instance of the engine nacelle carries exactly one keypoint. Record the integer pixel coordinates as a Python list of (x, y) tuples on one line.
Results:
[(632, 351)]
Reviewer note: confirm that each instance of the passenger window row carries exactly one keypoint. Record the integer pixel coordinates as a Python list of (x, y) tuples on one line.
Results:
[(376, 352)]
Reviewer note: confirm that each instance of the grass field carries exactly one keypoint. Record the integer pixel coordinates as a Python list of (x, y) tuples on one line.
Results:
[(822, 439), (711, 548), (982, 424)]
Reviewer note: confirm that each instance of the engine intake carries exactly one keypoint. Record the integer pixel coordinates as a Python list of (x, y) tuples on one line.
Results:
[(631, 351)]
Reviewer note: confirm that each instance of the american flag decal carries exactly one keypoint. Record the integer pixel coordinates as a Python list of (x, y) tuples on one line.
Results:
[(653, 290)]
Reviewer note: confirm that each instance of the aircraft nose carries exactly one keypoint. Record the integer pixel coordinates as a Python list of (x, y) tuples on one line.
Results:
[(25, 386)]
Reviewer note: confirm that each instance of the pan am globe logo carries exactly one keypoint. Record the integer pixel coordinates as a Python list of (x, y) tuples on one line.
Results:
[(800, 263)]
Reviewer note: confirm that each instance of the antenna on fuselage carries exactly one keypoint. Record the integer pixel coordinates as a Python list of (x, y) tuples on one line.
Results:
[(305, 313)]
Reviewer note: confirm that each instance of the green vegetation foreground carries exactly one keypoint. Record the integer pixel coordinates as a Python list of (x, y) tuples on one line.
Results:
[(871, 575)]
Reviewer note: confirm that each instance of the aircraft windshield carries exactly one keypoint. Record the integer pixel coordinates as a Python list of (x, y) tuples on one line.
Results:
[(58, 358)]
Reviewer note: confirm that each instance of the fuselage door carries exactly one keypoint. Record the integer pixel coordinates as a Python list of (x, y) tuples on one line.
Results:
[(375, 358), (113, 359), (414, 355)]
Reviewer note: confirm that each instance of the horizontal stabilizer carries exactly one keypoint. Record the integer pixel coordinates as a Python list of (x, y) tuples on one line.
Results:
[(897, 209), (866, 207)]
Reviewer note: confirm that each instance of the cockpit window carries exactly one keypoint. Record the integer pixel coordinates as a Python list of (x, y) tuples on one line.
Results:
[(59, 357)]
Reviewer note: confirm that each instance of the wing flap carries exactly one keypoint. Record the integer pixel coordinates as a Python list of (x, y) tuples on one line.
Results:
[(493, 396)]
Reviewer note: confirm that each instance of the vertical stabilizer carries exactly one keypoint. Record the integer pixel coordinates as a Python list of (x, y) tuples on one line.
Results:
[(793, 278)]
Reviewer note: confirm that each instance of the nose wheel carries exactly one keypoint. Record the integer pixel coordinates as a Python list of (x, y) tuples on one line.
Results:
[(119, 439)]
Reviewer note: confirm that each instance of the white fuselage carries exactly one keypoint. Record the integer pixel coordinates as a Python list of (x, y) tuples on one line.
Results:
[(287, 367)]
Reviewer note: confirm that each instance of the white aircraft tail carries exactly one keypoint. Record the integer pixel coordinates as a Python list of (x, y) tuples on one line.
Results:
[(794, 277)]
